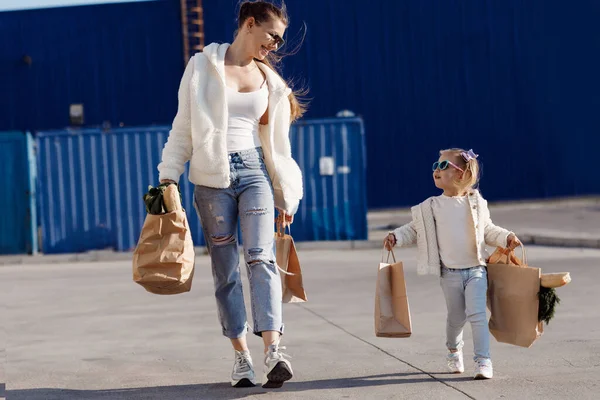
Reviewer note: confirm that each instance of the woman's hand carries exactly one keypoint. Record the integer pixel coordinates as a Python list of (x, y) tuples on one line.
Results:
[(390, 241), (283, 218), (512, 242)]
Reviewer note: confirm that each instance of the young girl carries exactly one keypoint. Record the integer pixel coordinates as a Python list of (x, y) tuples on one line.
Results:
[(451, 232)]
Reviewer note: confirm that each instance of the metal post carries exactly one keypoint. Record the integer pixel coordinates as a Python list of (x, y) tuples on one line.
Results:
[(192, 26), (184, 29)]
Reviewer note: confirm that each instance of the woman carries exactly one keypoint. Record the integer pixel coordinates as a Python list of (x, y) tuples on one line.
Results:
[(232, 124)]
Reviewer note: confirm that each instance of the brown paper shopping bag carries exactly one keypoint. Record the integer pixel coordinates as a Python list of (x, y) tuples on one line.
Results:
[(392, 313), (513, 289), (287, 260), (163, 261)]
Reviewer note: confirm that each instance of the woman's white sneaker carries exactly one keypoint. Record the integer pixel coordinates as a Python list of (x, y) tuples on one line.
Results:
[(243, 370), (277, 368)]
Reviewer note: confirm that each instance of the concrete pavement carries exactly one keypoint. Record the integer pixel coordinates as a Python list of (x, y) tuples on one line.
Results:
[(565, 223), (86, 331)]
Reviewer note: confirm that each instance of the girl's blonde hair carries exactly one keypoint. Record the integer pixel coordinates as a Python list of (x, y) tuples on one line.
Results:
[(263, 11), (467, 160)]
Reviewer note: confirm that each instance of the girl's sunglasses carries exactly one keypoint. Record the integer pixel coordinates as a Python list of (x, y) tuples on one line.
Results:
[(442, 165)]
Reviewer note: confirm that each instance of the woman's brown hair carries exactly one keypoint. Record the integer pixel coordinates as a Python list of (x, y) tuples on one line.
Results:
[(264, 11)]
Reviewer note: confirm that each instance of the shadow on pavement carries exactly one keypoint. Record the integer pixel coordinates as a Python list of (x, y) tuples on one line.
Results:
[(220, 391)]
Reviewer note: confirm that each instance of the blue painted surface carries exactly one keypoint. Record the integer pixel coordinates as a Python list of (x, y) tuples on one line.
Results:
[(18, 233), (515, 80), (123, 62), (91, 185)]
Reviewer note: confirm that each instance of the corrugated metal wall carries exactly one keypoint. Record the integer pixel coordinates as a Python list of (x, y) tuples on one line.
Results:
[(91, 185), (331, 155), (18, 232), (122, 61), (515, 80)]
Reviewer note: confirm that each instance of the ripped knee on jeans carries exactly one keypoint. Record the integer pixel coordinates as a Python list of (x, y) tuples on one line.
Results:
[(258, 255), (256, 211), (222, 240)]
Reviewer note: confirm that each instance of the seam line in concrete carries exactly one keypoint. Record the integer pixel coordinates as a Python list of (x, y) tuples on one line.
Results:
[(385, 352)]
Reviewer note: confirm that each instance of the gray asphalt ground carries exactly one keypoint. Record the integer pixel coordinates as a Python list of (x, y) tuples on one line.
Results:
[(84, 330)]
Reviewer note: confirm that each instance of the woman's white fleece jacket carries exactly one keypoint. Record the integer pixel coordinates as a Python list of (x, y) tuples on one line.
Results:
[(422, 231), (199, 130)]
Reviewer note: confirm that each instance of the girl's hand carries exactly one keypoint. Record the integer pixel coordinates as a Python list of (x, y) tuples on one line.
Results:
[(512, 242), (283, 218), (390, 241)]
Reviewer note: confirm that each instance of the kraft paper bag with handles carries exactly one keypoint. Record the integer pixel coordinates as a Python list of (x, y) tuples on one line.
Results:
[(392, 312), (288, 262), (163, 261), (512, 296)]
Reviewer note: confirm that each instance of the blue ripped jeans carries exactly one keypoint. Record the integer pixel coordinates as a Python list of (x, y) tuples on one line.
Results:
[(249, 199)]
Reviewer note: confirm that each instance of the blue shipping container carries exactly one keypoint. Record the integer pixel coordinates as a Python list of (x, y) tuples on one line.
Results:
[(331, 154), (18, 232), (91, 184)]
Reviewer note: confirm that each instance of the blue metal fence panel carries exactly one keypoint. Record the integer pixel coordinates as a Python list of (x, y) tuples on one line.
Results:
[(91, 184), (18, 233)]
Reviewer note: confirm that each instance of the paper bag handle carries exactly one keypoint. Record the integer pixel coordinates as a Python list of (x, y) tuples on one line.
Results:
[(523, 254), (281, 229), (388, 255), (509, 253)]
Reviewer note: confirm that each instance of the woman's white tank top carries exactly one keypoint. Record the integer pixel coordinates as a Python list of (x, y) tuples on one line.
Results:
[(245, 111)]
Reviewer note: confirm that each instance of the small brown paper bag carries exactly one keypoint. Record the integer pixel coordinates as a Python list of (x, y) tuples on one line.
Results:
[(392, 312), (287, 260), (513, 289), (163, 261)]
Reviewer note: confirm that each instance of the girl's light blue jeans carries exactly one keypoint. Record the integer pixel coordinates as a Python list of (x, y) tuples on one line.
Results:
[(465, 291)]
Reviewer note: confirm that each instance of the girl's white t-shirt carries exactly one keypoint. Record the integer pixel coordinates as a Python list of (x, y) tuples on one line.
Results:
[(455, 232)]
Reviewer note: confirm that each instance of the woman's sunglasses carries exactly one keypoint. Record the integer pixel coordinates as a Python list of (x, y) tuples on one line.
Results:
[(442, 165), (277, 40)]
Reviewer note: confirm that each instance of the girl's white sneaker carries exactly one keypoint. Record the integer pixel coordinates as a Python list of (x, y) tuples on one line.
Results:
[(484, 369), (455, 362)]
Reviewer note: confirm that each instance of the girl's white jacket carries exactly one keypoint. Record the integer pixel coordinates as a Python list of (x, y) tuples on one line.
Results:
[(421, 230)]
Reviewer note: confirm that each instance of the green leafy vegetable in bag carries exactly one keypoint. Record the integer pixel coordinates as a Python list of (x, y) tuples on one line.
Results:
[(154, 199), (548, 302)]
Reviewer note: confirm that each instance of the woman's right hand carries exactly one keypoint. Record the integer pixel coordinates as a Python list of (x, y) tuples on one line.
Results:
[(390, 241)]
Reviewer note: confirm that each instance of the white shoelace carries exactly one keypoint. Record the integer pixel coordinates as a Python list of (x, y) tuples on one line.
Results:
[(277, 354), (242, 362)]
